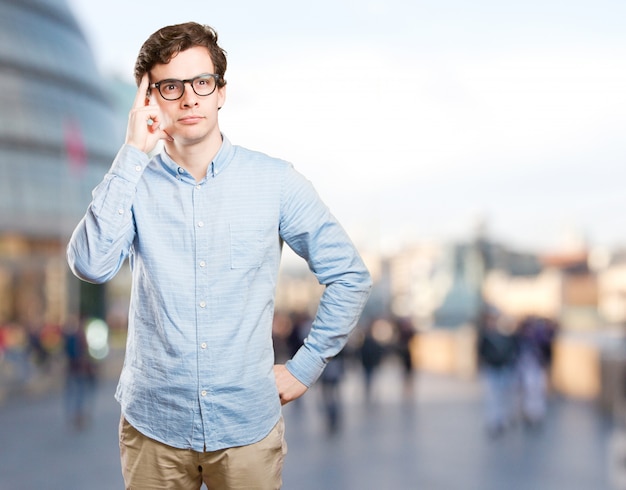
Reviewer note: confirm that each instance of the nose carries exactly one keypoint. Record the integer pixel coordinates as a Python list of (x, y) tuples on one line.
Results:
[(189, 97)]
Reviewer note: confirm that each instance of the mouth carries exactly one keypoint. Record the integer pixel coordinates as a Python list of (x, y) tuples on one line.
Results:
[(190, 119)]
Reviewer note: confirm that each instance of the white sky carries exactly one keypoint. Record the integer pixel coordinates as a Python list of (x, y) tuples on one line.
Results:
[(414, 119)]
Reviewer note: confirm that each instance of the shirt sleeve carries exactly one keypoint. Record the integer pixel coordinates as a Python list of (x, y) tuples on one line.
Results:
[(309, 228), (102, 239)]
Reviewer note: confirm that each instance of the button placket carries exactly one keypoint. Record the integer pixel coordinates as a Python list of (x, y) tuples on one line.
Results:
[(201, 222)]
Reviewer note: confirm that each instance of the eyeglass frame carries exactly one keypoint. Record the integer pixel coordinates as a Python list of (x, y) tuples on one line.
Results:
[(214, 76)]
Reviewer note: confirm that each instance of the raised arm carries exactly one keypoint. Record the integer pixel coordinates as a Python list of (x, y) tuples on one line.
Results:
[(102, 240)]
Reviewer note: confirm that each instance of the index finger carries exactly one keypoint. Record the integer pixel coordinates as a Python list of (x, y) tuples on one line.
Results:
[(142, 91)]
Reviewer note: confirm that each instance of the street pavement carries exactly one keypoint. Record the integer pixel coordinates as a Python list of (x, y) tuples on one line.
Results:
[(432, 439)]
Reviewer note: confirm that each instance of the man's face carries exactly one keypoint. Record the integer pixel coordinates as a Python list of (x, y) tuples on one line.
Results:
[(192, 118)]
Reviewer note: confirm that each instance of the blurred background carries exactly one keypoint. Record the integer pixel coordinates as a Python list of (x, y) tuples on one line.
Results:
[(473, 150)]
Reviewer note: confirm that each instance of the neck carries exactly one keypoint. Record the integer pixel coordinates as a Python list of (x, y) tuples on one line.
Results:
[(195, 157)]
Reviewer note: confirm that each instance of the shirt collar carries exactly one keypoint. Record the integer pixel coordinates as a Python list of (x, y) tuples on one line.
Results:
[(222, 158), (217, 166)]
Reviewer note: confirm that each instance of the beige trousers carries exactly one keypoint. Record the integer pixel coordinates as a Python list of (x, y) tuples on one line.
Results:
[(149, 465)]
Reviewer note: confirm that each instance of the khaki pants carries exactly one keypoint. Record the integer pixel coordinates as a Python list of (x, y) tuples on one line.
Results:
[(149, 465)]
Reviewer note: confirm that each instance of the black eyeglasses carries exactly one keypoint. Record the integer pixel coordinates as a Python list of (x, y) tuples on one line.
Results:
[(173, 89)]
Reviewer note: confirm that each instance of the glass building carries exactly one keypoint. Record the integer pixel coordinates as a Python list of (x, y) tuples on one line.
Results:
[(58, 135)]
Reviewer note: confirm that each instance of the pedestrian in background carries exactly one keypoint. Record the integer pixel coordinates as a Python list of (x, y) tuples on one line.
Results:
[(330, 384), (498, 351), (406, 338), (371, 355), (536, 336), (202, 223), (80, 377)]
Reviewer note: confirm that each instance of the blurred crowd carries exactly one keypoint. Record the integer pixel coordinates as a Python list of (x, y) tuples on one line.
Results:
[(513, 355), (369, 346), (52, 355), (28, 349), (514, 359)]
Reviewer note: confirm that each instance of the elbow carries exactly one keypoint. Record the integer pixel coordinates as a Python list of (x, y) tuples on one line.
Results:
[(88, 276), (85, 274), (367, 284), (364, 281), (84, 270), (359, 282)]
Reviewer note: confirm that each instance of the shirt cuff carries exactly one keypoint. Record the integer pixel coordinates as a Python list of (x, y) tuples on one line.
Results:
[(305, 367)]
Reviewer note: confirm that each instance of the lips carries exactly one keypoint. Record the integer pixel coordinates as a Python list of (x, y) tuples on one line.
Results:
[(190, 119)]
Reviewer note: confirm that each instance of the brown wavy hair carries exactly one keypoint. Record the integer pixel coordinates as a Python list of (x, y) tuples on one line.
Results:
[(168, 41)]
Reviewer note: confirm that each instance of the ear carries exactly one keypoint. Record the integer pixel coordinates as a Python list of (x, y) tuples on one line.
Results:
[(221, 96)]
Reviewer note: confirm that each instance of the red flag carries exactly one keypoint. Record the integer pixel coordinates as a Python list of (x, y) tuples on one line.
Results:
[(75, 147)]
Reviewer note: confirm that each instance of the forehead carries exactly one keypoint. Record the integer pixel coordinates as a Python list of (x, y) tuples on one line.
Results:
[(186, 64)]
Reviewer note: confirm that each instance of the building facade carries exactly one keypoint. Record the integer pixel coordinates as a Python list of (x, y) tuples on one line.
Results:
[(58, 135)]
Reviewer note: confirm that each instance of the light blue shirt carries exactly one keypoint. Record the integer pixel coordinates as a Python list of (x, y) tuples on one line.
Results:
[(198, 370)]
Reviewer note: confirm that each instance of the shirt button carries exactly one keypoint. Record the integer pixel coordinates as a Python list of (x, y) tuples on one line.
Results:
[(202, 304), (198, 187), (203, 345), (138, 168), (203, 392), (181, 170), (202, 263), (200, 224), (120, 211)]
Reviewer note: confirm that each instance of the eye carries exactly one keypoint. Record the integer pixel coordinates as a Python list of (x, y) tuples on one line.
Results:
[(204, 81), (170, 87)]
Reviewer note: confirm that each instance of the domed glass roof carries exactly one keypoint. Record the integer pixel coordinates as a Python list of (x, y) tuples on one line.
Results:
[(58, 130)]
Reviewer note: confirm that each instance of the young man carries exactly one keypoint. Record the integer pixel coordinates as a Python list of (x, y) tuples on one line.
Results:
[(202, 224)]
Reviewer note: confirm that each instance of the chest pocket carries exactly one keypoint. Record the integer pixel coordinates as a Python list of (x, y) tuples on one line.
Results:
[(246, 247)]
